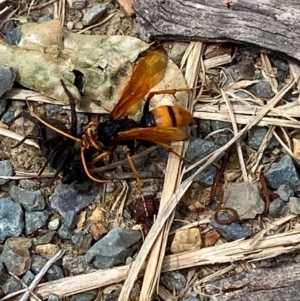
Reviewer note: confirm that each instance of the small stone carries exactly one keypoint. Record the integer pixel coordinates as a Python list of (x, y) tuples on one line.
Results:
[(210, 238), (30, 200), (5, 170), (53, 108), (83, 297), (35, 220), (110, 187), (8, 26), (283, 172), (16, 256), (262, 89), (45, 239), (2, 269), (11, 285), (18, 104), (66, 198), (76, 265), (54, 224), (198, 149), (76, 4), (64, 232), (53, 297), (230, 232), (53, 273), (177, 51), (3, 105), (285, 192), (127, 5), (14, 37), (173, 281), (82, 242), (47, 250), (7, 78), (223, 137), (11, 218), (277, 207), (256, 136), (114, 248), (70, 219), (98, 230), (186, 240), (70, 25), (78, 26), (245, 199), (93, 14), (7, 117), (44, 18), (28, 278), (294, 205)]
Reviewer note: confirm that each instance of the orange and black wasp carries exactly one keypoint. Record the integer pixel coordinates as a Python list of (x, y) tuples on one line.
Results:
[(159, 126)]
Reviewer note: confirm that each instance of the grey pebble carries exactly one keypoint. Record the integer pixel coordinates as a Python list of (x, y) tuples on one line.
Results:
[(7, 116), (30, 200), (93, 14), (256, 136), (294, 205), (285, 192), (52, 108), (18, 104), (44, 19), (7, 78), (64, 232), (53, 297), (173, 281), (35, 220), (77, 4), (283, 172), (66, 198), (7, 27), (11, 218), (11, 285), (230, 232), (223, 137), (277, 207), (114, 248), (262, 89), (53, 273), (45, 239), (28, 278), (198, 149), (14, 37), (5, 170), (83, 297), (245, 199), (70, 219), (3, 105)]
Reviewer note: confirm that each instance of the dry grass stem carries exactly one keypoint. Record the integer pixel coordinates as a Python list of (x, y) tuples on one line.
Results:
[(236, 251)]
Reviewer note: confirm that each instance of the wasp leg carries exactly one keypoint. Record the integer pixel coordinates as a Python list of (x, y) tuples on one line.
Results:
[(60, 167), (83, 149), (169, 149), (138, 181), (28, 137), (73, 129)]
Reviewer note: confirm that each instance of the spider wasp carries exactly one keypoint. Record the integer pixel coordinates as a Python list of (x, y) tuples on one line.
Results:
[(60, 151), (159, 126)]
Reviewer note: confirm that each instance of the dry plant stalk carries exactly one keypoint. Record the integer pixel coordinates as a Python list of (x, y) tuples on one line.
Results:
[(246, 250)]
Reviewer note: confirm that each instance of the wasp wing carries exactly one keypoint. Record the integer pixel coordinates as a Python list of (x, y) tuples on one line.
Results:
[(159, 134), (149, 72)]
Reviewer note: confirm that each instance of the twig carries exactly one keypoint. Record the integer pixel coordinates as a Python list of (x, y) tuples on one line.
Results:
[(39, 276)]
